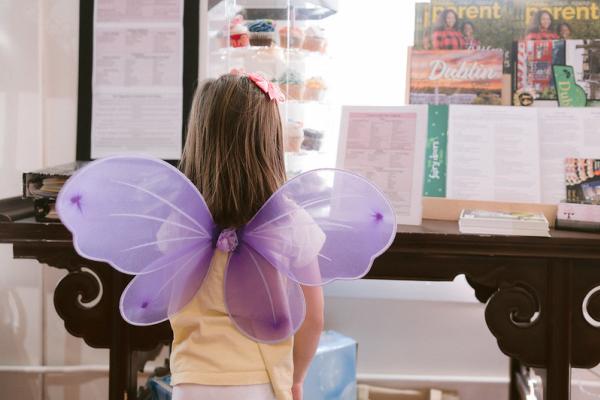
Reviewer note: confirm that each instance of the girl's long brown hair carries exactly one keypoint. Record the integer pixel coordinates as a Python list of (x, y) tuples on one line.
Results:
[(234, 148)]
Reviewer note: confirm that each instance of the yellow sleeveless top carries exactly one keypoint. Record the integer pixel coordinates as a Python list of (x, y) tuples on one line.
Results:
[(209, 350)]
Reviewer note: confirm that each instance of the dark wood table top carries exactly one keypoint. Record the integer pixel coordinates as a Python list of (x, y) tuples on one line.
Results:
[(438, 236), (443, 237)]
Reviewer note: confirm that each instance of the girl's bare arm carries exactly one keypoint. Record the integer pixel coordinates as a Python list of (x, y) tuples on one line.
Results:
[(306, 339)]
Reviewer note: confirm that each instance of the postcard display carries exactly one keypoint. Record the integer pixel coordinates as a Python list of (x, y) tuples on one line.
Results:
[(287, 42), (471, 61)]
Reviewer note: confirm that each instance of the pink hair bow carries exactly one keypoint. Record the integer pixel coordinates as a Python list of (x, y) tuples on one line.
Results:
[(269, 88)]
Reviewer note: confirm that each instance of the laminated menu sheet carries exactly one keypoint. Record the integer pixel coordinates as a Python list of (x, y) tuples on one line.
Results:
[(493, 154), (516, 154), (387, 146), (137, 91)]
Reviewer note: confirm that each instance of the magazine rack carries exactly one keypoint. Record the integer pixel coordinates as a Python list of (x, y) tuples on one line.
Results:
[(542, 294)]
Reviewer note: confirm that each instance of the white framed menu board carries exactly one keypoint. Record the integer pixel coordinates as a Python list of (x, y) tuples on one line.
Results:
[(387, 146)]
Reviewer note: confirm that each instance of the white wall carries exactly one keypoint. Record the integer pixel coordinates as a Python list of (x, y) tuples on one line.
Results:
[(409, 334), (38, 98), (20, 323)]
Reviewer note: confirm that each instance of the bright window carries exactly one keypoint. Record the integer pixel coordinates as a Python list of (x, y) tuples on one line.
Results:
[(369, 48)]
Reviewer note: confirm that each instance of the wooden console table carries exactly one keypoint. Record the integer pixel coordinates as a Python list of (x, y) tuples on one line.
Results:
[(542, 295), (87, 299)]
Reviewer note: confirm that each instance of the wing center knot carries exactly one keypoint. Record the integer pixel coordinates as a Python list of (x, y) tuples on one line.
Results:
[(227, 240)]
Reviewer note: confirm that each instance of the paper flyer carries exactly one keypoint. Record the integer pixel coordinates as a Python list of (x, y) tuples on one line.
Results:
[(386, 145), (493, 154), (137, 94)]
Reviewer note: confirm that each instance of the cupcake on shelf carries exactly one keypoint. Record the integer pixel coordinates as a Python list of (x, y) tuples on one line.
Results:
[(238, 36), (314, 89), (262, 32), (313, 139), (315, 39), (292, 84), (237, 32), (295, 36), (293, 136)]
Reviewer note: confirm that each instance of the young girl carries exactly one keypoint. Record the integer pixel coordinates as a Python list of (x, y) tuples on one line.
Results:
[(234, 155), (468, 31), (564, 31), (445, 34)]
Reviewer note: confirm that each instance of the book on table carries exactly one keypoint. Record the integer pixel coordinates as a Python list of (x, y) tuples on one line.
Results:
[(43, 186), (503, 223)]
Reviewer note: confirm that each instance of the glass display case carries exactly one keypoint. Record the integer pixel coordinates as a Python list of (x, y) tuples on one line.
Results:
[(287, 41)]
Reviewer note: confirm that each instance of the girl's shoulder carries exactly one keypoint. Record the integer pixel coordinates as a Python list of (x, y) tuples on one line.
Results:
[(293, 230), (298, 217)]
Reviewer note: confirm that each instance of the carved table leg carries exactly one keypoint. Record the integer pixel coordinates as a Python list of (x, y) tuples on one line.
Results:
[(514, 369), (116, 384), (120, 352), (87, 299), (558, 382)]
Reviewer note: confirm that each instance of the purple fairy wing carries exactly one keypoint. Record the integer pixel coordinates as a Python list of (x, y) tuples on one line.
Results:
[(323, 225), (135, 213), (153, 297), (263, 303), (143, 217)]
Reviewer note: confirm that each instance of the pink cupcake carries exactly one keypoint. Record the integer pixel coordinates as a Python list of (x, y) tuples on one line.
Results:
[(291, 37), (314, 89), (293, 136), (315, 40), (238, 36)]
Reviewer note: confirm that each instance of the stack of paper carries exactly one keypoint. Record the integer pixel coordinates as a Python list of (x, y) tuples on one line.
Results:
[(48, 187), (43, 186), (503, 223)]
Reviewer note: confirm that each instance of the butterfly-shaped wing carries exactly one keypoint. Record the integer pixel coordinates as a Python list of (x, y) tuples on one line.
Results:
[(264, 304), (153, 297), (143, 217), (323, 225)]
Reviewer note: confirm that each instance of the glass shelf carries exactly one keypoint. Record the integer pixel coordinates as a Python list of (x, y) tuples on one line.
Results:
[(292, 52), (228, 24), (281, 9)]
